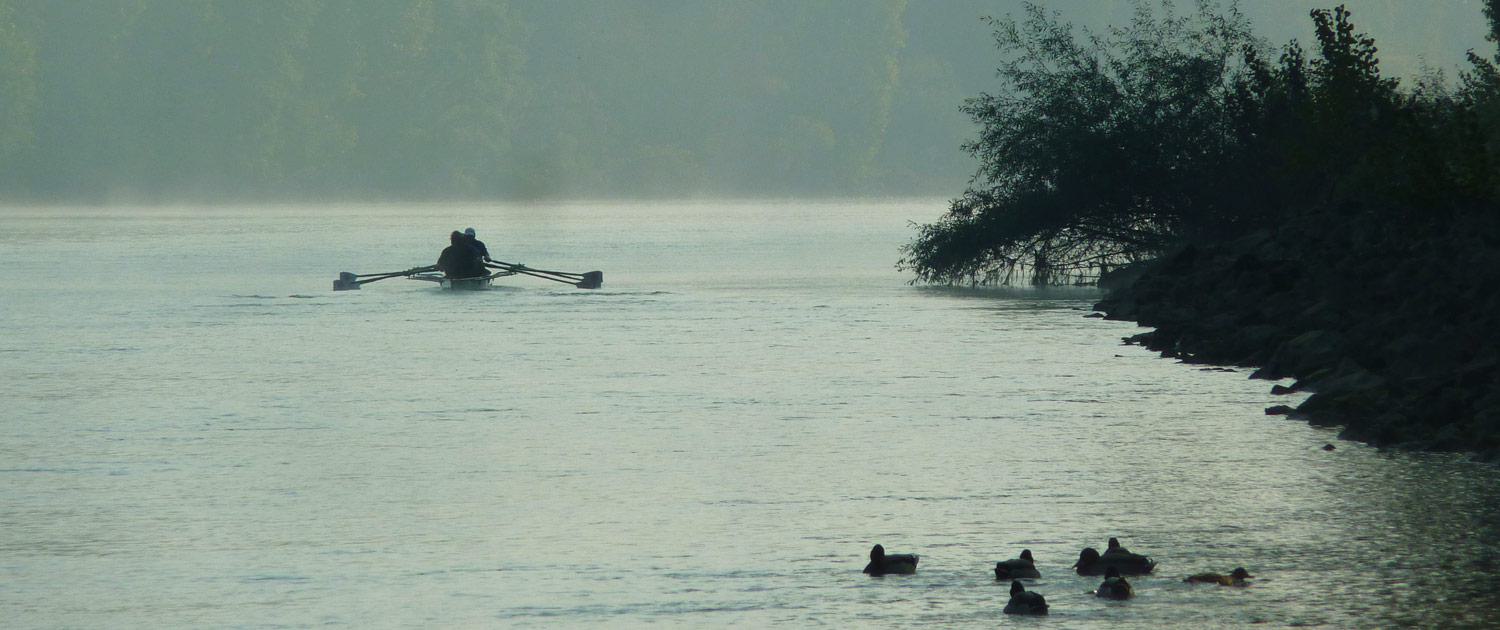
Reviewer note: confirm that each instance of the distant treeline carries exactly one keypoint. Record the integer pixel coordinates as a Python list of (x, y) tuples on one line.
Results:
[(1117, 147), (156, 100)]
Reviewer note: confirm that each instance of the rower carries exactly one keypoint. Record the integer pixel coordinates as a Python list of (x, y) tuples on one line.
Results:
[(478, 245), (459, 260)]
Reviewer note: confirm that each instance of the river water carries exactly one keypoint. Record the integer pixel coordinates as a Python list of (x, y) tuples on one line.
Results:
[(197, 432)]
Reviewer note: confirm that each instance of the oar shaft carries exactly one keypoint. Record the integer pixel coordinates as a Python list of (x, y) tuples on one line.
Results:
[(530, 272), (515, 267), (587, 280), (564, 274), (348, 280), (380, 276), (390, 274)]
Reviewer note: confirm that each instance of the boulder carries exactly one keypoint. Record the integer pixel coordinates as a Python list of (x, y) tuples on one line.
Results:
[(1306, 353), (1348, 376), (1390, 325), (1122, 277)]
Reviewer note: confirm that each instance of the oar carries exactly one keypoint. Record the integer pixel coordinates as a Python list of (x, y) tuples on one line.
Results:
[(350, 281), (546, 275), (587, 280), (565, 274)]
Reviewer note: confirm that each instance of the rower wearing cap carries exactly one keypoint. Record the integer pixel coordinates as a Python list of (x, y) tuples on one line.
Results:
[(478, 245)]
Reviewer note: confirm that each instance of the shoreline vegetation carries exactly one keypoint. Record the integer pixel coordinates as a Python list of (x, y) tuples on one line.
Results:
[(1272, 207)]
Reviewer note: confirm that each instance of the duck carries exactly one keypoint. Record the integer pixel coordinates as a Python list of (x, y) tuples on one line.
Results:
[(1115, 547), (1024, 602), (1091, 563), (1236, 577), (1114, 586), (1022, 567), (898, 563)]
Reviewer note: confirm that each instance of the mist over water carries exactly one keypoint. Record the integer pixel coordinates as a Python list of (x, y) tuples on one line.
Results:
[(198, 432), (160, 101)]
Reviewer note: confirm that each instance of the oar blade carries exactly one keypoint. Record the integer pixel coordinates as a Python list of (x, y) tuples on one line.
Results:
[(346, 282), (591, 280)]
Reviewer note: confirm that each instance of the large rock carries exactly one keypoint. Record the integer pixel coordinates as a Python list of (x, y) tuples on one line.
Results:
[(1348, 376), (1121, 277), (1391, 323), (1307, 353)]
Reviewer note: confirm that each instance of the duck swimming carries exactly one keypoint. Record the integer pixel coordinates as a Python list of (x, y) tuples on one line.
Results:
[(898, 563), (1114, 547), (1022, 567), (1235, 578), (1114, 586), (1091, 563), (1024, 602)]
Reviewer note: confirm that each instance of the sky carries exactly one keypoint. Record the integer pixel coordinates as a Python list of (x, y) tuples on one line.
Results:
[(160, 100)]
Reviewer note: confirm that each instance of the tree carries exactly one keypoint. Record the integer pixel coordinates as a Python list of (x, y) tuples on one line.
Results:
[(1097, 151)]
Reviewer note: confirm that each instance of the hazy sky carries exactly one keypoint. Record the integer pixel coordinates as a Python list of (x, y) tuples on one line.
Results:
[(1408, 32), (295, 99)]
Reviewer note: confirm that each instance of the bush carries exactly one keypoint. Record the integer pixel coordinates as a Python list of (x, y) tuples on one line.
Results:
[(1109, 148)]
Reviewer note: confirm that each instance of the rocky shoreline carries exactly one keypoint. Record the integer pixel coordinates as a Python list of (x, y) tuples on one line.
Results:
[(1392, 327)]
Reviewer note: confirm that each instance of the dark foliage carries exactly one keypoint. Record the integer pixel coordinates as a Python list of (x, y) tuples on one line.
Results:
[(1109, 148)]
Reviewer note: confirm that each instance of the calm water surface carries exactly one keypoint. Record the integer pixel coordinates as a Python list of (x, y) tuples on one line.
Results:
[(197, 432)]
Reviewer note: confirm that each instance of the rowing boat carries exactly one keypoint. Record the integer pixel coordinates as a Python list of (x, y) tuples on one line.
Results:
[(587, 280)]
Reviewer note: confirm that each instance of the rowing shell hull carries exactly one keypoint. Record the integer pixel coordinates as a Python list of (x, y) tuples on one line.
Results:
[(465, 284), (461, 284)]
